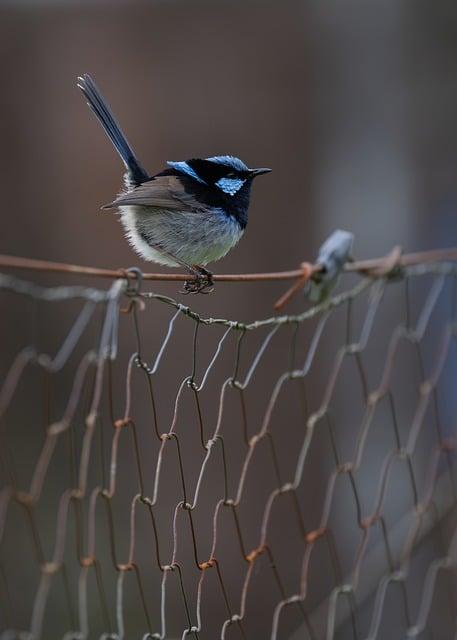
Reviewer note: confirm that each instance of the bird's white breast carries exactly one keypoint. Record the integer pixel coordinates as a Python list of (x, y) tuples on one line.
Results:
[(174, 237)]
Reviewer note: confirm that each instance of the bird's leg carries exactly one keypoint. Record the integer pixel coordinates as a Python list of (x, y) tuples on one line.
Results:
[(203, 279), (202, 283)]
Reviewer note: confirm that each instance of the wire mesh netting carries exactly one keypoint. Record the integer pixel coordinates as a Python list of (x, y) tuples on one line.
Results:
[(167, 475)]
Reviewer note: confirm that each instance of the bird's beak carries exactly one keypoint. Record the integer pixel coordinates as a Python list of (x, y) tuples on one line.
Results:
[(258, 172)]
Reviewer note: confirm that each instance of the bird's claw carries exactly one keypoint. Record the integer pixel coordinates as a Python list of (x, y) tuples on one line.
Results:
[(201, 283)]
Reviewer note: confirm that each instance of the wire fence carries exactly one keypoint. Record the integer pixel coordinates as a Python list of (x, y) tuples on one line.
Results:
[(168, 475)]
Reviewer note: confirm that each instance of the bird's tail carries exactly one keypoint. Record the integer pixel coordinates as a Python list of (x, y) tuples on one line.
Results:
[(96, 102)]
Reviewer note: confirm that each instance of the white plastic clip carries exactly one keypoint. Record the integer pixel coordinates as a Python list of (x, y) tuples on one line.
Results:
[(333, 255)]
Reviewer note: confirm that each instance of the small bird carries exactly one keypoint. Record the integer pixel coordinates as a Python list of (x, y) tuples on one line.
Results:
[(188, 215)]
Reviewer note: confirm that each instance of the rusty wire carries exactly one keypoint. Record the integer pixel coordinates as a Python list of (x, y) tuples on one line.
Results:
[(95, 369), (377, 266)]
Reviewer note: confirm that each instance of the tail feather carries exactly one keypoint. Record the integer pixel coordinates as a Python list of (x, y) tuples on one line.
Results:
[(96, 102)]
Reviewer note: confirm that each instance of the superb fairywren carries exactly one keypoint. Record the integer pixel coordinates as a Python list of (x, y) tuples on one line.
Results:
[(188, 215)]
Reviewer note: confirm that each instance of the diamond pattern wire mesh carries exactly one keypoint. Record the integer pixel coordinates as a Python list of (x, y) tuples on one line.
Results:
[(167, 475)]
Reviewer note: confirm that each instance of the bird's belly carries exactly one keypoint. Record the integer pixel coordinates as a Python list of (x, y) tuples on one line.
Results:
[(171, 237)]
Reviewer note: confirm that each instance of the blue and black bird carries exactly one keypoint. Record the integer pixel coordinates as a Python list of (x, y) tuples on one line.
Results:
[(188, 215)]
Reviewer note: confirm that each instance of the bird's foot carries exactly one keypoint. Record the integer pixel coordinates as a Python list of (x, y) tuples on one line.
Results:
[(201, 283)]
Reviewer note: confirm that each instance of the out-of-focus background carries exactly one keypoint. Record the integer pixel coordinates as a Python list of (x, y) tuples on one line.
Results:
[(352, 104)]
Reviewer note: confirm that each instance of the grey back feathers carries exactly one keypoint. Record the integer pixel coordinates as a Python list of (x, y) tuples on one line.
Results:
[(163, 192)]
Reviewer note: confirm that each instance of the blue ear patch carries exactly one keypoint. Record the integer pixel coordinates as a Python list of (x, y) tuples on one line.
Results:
[(230, 186), (183, 167)]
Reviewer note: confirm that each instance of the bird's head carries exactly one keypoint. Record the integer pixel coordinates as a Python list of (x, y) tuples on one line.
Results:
[(226, 173)]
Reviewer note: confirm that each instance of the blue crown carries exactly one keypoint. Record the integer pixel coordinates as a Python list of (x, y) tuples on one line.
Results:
[(229, 161)]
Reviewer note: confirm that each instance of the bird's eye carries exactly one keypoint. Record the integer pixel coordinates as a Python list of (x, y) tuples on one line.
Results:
[(231, 175)]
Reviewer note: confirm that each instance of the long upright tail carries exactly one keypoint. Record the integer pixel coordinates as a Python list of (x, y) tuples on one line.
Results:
[(96, 102)]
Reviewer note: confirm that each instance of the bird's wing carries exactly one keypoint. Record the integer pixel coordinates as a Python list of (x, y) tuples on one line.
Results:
[(162, 192)]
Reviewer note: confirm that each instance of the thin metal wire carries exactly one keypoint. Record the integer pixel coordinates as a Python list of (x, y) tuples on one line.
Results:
[(376, 266), (92, 394)]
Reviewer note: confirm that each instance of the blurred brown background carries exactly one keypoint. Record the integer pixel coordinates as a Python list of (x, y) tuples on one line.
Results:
[(352, 104)]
